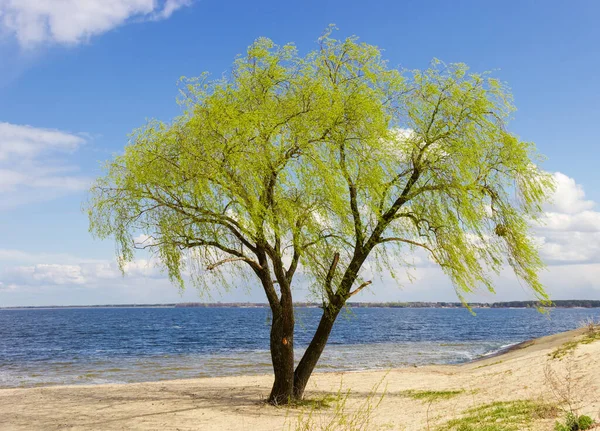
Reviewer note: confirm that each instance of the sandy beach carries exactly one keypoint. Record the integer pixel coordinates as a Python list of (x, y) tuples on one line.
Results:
[(527, 372)]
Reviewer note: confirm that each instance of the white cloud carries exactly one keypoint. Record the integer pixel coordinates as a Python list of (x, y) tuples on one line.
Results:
[(33, 164), (571, 229), (569, 197), (26, 141), (46, 274), (585, 221), (578, 281), (70, 22), (144, 268), (26, 258), (570, 247), (171, 6), (70, 272)]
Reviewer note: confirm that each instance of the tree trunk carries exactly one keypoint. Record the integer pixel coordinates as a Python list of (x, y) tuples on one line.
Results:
[(282, 354), (330, 312), (313, 352)]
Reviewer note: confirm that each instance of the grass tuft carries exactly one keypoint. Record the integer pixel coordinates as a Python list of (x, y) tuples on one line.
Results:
[(431, 396), (592, 334), (341, 416), (501, 416), (324, 402), (489, 365)]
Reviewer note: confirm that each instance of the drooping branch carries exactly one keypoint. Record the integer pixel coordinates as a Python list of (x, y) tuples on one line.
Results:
[(231, 259), (208, 216), (325, 237), (416, 244), (191, 243), (408, 241)]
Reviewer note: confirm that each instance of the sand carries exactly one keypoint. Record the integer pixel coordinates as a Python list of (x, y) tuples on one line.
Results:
[(237, 403)]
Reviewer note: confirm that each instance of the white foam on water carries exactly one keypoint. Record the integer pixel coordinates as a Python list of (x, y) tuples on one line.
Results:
[(498, 350)]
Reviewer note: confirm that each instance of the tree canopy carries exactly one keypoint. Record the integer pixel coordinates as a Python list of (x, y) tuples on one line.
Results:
[(323, 161)]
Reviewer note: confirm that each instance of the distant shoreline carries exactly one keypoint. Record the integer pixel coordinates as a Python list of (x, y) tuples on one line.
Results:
[(575, 303)]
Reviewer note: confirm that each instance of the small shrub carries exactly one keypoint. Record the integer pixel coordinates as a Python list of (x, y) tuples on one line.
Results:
[(585, 422), (574, 423)]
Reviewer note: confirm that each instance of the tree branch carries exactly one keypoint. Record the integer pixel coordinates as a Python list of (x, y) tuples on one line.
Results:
[(358, 227), (415, 243), (329, 277), (213, 218), (238, 254), (359, 288), (231, 259)]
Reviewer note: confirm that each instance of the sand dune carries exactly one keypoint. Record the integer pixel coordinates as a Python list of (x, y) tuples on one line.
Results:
[(527, 372)]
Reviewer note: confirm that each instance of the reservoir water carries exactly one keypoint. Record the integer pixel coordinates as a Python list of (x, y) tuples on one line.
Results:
[(120, 345)]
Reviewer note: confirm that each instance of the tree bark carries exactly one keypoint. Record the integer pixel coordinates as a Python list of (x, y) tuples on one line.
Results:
[(282, 353), (336, 301), (314, 350)]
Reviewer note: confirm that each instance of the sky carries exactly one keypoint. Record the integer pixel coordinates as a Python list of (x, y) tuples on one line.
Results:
[(77, 76)]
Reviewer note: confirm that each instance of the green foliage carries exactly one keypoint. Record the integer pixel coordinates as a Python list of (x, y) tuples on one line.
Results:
[(574, 422), (431, 396), (299, 159), (585, 422), (501, 416)]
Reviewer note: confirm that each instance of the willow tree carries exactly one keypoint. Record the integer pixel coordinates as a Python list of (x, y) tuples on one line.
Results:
[(320, 163)]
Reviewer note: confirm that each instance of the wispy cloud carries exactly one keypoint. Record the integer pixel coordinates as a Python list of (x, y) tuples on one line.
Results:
[(75, 273), (70, 22), (26, 141), (169, 7), (34, 164)]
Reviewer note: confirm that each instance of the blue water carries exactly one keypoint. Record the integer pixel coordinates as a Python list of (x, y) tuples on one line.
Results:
[(87, 346)]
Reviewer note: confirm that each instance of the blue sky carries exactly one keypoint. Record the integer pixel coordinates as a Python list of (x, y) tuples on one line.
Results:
[(76, 76)]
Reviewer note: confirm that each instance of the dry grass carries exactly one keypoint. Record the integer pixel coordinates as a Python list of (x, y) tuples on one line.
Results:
[(431, 396), (502, 416), (341, 416)]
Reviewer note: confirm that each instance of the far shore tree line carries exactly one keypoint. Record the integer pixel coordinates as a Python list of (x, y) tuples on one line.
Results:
[(565, 303)]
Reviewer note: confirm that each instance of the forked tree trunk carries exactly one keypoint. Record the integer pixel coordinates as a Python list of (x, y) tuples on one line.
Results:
[(290, 384), (330, 312), (313, 352), (282, 354)]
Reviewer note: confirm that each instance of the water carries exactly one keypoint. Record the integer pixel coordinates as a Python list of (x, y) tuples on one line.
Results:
[(119, 345)]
